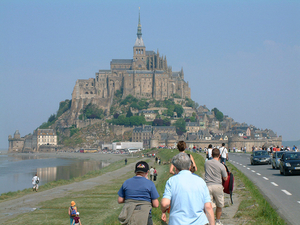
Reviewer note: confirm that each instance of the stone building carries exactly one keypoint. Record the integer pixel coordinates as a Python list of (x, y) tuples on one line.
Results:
[(46, 137), (146, 75), (142, 134), (16, 143), (40, 140)]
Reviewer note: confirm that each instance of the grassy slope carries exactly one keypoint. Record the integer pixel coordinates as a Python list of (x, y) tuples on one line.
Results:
[(99, 205)]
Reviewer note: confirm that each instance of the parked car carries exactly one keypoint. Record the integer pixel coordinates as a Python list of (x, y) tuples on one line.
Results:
[(289, 163), (276, 159), (260, 157)]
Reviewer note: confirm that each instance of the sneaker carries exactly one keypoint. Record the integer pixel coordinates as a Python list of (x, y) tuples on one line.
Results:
[(219, 223)]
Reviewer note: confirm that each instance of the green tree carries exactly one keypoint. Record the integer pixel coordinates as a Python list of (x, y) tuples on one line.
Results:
[(129, 113), (63, 107), (129, 99), (192, 119), (191, 103), (218, 114), (52, 118), (91, 111), (178, 109), (137, 120), (180, 126)]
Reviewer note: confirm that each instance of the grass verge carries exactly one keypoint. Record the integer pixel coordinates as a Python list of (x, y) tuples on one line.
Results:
[(253, 208)]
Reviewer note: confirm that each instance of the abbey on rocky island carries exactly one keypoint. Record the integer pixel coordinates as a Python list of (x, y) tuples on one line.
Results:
[(146, 75)]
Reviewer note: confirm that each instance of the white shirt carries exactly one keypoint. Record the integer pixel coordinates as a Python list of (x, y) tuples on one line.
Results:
[(209, 152), (151, 171), (34, 179), (223, 152)]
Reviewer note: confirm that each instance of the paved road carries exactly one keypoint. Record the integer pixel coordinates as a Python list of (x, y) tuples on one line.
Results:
[(282, 191)]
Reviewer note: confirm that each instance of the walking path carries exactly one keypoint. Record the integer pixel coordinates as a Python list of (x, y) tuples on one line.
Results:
[(12, 208), (28, 203)]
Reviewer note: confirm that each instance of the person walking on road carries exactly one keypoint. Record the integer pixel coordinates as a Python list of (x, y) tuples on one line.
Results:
[(155, 174), (181, 145), (139, 195), (223, 154), (151, 173), (186, 195), (215, 172)]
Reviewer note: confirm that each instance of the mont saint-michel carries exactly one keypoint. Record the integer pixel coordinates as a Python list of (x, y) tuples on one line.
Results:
[(140, 100)]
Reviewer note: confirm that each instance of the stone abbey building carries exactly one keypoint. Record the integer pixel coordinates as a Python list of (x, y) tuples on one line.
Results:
[(146, 75)]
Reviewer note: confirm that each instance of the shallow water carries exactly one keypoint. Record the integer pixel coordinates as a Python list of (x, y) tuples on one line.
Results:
[(16, 172)]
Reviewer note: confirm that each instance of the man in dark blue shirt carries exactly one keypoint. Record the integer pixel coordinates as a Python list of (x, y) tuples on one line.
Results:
[(139, 195)]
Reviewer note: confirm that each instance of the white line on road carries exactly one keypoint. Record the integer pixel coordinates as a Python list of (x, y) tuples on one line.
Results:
[(298, 202), (286, 192), (244, 166), (258, 174), (248, 168), (266, 178), (274, 184), (253, 171)]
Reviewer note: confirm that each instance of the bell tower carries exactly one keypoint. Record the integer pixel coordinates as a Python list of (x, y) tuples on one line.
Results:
[(139, 49)]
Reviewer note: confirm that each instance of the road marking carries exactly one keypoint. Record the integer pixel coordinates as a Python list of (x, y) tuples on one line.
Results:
[(286, 192), (248, 168), (266, 178), (298, 202), (244, 166), (274, 184), (253, 171), (241, 164), (258, 174)]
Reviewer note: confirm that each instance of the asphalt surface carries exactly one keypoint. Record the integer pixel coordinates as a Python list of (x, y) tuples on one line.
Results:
[(283, 192)]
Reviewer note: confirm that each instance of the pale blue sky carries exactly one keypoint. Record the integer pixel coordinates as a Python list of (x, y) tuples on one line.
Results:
[(242, 57)]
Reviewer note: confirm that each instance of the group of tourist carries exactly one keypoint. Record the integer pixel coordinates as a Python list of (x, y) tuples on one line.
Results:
[(187, 197)]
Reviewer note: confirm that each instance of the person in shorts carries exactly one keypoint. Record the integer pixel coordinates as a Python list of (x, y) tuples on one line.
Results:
[(215, 172)]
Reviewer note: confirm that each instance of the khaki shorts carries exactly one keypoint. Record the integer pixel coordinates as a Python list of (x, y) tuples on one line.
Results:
[(216, 195)]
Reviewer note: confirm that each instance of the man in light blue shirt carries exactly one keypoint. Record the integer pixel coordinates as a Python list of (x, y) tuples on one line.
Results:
[(187, 195)]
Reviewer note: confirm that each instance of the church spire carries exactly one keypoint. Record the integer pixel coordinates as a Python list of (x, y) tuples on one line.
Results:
[(139, 40), (139, 29)]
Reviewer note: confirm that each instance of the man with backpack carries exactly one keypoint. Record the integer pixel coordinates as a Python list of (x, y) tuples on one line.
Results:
[(35, 183), (215, 172)]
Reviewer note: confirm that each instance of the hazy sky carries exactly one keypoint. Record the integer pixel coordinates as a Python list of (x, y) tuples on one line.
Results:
[(242, 57)]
